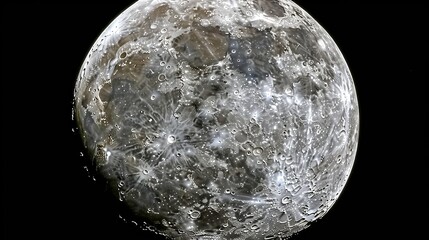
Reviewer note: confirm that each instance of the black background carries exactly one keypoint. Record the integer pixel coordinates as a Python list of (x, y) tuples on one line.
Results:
[(47, 193)]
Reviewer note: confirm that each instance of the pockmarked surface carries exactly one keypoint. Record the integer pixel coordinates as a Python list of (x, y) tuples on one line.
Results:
[(219, 119)]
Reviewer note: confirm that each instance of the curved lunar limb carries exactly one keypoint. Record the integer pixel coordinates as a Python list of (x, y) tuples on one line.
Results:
[(219, 119)]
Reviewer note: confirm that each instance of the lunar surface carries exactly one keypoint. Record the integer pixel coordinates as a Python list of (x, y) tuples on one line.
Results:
[(219, 119)]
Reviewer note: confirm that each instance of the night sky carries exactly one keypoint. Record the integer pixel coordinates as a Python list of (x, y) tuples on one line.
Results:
[(46, 188)]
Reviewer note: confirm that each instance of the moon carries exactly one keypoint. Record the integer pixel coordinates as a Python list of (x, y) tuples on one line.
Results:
[(219, 119)]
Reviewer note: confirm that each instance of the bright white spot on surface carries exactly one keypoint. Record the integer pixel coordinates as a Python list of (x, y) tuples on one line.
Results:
[(171, 139), (321, 44)]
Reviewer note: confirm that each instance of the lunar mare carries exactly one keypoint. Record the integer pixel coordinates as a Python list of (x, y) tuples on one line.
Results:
[(219, 119)]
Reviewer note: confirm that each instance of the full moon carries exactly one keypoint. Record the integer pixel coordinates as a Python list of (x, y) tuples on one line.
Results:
[(223, 119)]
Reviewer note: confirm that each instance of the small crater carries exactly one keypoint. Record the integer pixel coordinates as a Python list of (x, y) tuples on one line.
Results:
[(171, 139), (286, 200), (194, 214), (257, 151)]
